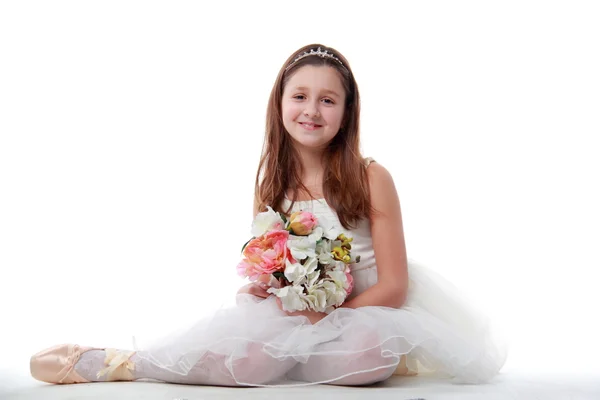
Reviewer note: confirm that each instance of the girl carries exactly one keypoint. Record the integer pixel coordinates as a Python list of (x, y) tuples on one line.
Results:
[(400, 318)]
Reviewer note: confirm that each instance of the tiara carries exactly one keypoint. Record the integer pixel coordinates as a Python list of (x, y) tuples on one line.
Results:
[(318, 52)]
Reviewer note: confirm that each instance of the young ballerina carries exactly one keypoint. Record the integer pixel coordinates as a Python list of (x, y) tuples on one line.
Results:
[(401, 317)]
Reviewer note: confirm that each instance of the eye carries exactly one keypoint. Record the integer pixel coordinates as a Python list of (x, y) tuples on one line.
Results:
[(298, 95), (329, 100)]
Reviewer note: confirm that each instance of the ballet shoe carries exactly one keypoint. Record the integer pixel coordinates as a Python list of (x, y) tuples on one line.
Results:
[(403, 369), (57, 364)]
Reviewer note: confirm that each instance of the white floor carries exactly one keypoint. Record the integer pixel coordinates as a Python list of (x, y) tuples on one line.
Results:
[(511, 385)]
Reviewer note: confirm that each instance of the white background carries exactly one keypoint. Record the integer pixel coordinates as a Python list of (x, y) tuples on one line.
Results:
[(130, 134)]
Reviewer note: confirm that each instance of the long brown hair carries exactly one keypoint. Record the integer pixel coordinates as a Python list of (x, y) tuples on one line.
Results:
[(345, 182)]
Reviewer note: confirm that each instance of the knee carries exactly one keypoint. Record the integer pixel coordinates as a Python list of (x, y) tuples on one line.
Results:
[(259, 367), (371, 368), (366, 378)]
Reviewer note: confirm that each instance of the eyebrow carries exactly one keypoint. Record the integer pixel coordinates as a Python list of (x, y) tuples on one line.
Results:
[(324, 90)]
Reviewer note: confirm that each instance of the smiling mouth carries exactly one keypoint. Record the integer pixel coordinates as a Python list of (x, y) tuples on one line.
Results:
[(309, 126)]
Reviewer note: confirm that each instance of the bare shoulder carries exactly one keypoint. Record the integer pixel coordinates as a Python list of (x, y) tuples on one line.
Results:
[(382, 188), (376, 171)]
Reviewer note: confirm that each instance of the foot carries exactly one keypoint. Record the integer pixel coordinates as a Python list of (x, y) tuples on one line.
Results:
[(68, 363)]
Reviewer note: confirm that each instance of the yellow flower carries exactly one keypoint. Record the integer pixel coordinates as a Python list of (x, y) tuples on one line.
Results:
[(345, 241), (340, 254)]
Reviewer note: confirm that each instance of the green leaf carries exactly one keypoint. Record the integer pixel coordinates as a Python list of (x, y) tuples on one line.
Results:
[(246, 244)]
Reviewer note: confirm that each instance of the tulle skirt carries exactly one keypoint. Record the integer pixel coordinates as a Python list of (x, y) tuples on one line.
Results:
[(437, 331)]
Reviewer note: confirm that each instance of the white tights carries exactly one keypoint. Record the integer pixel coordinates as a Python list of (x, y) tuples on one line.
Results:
[(257, 369)]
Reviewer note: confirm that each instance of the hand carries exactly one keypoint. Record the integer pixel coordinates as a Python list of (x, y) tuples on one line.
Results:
[(258, 289), (313, 316)]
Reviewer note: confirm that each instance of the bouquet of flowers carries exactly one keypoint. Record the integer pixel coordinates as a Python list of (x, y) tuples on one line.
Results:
[(306, 260)]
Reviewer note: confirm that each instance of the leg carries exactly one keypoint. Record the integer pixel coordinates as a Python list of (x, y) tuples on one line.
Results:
[(364, 368), (217, 370), (75, 364), (357, 357)]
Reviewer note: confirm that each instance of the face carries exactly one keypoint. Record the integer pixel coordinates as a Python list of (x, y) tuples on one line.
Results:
[(313, 106)]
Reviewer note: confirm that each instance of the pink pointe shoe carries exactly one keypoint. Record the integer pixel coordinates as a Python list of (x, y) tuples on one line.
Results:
[(57, 364)]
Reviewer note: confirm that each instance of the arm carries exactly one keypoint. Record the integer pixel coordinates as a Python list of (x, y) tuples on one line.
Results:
[(388, 242)]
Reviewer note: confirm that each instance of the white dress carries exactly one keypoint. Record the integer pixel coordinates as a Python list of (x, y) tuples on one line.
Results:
[(257, 344)]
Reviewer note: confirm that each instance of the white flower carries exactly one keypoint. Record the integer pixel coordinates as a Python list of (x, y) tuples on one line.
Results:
[(293, 271), (334, 293), (338, 277), (266, 221), (323, 251), (297, 273), (311, 278), (338, 266), (291, 297), (316, 234), (317, 298), (329, 229), (302, 246)]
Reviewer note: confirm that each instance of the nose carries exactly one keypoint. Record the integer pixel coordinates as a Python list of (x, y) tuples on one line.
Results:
[(311, 110)]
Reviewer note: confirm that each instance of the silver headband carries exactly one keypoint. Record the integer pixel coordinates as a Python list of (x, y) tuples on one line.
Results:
[(318, 52)]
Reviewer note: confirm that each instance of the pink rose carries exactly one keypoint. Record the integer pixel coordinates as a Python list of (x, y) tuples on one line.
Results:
[(302, 223), (264, 255), (350, 283)]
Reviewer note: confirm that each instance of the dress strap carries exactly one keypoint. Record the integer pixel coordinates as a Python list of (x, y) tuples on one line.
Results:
[(368, 160)]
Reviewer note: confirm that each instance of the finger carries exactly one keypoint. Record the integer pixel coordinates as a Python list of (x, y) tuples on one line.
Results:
[(261, 285), (257, 291), (264, 278)]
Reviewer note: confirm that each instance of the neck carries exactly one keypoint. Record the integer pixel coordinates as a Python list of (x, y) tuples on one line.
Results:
[(312, 164)]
